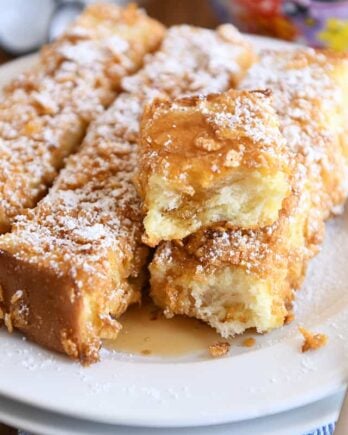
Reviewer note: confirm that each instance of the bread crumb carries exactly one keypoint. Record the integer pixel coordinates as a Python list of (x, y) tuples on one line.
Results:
[(207, 144), (312, 341), (289, 318), (233, 159), (249, 342), (219, 349), (69, 346)]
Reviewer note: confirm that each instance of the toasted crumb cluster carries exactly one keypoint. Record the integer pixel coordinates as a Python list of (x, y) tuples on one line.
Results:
[(236, 278), (312, 341), (44, 113), (219, 349), (203, 160), (78, 255)]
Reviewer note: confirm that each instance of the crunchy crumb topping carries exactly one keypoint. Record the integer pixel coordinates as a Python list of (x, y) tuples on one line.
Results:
[(308, 98), (92, 208), (207, 144), (233, 158), (309, 90), (294, 78), (219, 349), (312, 341), (213, 63), (44, 112), (243, 121), (89, 224), (93, 205)]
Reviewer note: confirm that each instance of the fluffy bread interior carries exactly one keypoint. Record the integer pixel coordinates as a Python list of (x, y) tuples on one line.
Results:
[(245, 199), (231, 301)]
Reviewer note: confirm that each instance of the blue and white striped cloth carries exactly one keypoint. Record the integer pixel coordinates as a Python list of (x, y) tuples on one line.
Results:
[(325, 430)]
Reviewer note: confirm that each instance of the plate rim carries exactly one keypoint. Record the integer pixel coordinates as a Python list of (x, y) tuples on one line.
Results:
[(331, 407)]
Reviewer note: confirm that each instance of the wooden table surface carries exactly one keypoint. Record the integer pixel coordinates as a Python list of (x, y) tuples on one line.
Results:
[(4, 58), (169, 12)]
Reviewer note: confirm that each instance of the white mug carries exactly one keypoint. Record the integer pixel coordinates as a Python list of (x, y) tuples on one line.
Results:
[(25, 25)]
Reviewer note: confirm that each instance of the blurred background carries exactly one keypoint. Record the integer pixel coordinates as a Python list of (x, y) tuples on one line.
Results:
[(27, 24)]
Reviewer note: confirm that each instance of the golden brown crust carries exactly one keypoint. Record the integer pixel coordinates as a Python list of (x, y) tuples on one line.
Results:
[(241, 121), (84, 237), (207, 154), (56, 284), (87, 230), (309, 93), (45, 112), (192, 61), (46, 310)]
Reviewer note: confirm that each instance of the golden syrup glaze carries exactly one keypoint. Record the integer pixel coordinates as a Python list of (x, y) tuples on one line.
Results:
[(145, 331)]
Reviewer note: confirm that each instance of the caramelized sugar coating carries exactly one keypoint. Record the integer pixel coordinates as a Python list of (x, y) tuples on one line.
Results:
[(235, 278), (73, 264), (203, 160), (44, 113), (192, 61)]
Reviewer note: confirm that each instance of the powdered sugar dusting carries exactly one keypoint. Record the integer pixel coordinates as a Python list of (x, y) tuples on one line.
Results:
[(44, 112), (294, 78), (88, 227), (93, 205), (309, 101), (191, 61), (308, 94)]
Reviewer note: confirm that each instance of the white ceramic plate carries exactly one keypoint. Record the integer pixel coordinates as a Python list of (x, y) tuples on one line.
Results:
[(299, 421), (270, 377)]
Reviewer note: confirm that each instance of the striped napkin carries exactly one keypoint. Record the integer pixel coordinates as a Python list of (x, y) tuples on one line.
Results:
[(325, 430)]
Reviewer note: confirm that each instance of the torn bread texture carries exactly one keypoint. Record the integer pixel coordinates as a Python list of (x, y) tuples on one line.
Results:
[(235, 278), (203, 160)]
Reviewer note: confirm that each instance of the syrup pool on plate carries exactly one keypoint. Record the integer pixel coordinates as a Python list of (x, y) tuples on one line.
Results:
[(145, 331)]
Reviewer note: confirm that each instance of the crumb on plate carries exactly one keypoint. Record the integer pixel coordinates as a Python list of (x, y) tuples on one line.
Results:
[(312, 341), (219, 349), (249, 342)]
